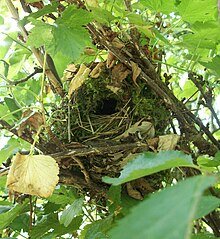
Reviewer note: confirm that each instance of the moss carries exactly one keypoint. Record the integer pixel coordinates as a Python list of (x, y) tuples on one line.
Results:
[(96, 111)]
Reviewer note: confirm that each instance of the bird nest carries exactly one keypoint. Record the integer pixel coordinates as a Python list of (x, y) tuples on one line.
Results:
[(104, 103)]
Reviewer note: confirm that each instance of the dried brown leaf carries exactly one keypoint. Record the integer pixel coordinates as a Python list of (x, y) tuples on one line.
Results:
[(168, 142), (118, 43), (119, 72), (32, 120), (70, 70), (33, 174), (132, 192), (79, 79), (95, 73), (110, 60), (143, 129), (89, 51), (136, 70)]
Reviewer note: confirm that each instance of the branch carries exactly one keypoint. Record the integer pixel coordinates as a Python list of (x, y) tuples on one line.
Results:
[(55, 82), (11, 129), (36, 71), (195, 79)]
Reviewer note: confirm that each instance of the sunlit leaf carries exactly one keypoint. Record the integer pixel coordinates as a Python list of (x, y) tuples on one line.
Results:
[(9, 149), (34, 175), (197, 10)]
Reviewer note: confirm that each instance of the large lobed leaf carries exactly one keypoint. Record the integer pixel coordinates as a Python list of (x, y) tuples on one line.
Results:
[(167, 214), (149, 163), (67, 35), (198, 10)]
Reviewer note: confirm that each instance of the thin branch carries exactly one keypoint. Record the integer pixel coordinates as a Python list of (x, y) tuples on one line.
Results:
[(36, 71), (194, 78), (11, 129)]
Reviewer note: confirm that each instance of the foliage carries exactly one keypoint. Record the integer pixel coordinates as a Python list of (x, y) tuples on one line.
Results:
[(155, 64)]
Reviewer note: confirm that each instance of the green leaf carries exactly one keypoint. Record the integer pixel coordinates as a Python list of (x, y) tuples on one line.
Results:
[(13, 106), (48, 222), (166, 7), (209, 161), (51, 222), (114, 198), (44, 39), (62, 196), (97, 229), (203, 236), (73, 226), (167, 214), (67, 35), (7, 217), (101, 15), (188, 90), (46, 10), (75, 209), (4, 209), (5, 46), (6, 68), (10, 148), (1, 20), (213, 65), (2, 180), (149, 163), (206, 205), (197, 10), (21, 223)]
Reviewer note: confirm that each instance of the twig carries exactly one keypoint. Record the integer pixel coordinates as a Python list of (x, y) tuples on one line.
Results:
[(36, 71), (194, 78)]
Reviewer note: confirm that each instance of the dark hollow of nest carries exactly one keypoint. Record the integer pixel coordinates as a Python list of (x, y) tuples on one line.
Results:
[(100, 111)]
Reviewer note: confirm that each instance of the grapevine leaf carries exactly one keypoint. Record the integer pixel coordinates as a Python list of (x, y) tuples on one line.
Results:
[(197, 10)]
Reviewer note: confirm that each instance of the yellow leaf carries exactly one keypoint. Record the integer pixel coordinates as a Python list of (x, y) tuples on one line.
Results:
[(168, 142), (34, 175), (79, 79)]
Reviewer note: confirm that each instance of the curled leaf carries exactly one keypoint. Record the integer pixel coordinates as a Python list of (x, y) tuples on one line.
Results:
[(79, 79), (95, 73), (136, 70), (110, 60), (117, 43), (119, 73), (33, 174), (143, 129), (71, 69)]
